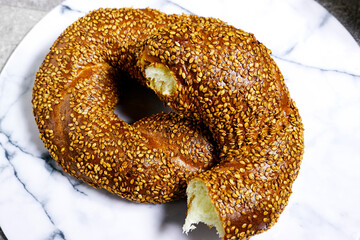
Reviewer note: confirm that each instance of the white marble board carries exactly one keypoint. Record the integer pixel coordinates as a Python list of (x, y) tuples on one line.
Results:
[(321, 65)]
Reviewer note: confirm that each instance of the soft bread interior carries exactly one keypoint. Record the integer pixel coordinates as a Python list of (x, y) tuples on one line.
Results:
[(161, 79), (200, 208)]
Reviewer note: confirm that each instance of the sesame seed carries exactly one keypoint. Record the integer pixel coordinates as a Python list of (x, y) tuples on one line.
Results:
[(226, 80)]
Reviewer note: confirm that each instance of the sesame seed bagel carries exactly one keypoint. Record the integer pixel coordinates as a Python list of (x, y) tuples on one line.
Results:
[(230, 100), (224, 78), (74, 97)]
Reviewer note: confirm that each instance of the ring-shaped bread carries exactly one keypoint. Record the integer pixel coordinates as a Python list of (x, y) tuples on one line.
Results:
[(208, 72)]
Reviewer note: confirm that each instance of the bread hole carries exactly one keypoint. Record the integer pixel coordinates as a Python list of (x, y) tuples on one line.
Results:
[(200, 208), (136, 101), (160, 78)]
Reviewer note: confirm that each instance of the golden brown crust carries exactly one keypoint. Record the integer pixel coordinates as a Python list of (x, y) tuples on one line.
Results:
[(227, 80), (74, 98)]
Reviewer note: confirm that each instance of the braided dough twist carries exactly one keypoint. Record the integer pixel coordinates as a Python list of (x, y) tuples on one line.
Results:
[(209, 73)]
